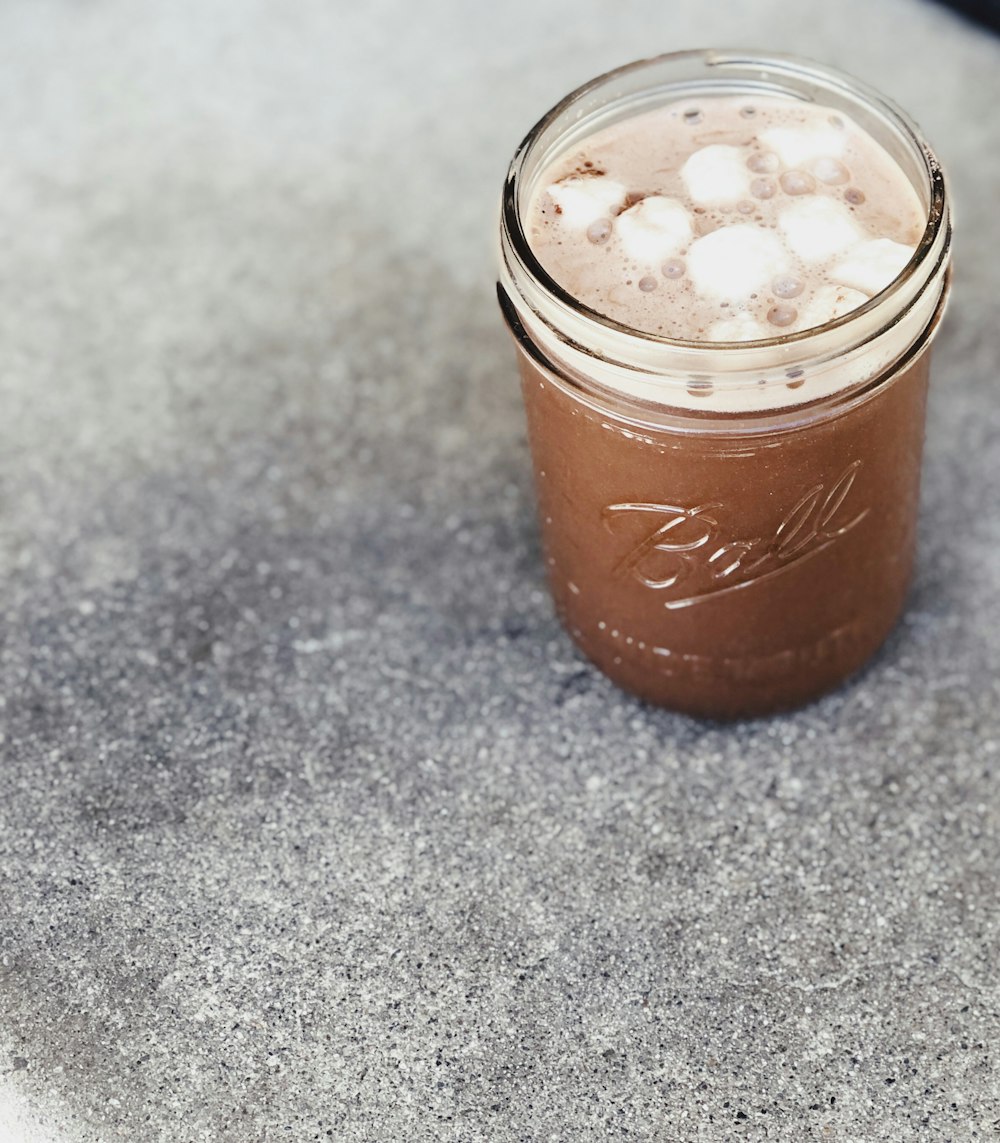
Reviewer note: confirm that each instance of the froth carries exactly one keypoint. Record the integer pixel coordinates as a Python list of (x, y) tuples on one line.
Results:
[(726, 219), (740, 327)]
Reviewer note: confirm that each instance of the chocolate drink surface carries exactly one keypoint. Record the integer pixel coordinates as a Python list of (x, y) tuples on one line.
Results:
[(723, 295), (726, 218)]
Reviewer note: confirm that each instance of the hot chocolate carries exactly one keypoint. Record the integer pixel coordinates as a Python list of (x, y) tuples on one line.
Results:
[(726, 218), (723, 300)]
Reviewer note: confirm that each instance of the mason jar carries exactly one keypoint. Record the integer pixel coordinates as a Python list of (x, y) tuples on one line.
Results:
[(728, 527)]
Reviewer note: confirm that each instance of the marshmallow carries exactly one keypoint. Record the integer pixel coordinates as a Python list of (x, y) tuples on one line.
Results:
[(734, 261), (716, 176), (797, 146), (740, 327), (584, 200), (827, 303), (871, 266), (654, 229), (818, 228)]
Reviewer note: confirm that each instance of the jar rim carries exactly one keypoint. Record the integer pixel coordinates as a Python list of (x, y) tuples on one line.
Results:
[(773, 66)]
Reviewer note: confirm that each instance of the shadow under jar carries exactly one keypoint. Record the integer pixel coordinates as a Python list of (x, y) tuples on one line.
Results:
[(729, 527)]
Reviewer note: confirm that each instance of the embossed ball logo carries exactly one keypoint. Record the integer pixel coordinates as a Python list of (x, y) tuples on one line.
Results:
[(691, 556)]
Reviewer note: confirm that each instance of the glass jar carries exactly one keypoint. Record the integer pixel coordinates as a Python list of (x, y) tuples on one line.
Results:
[(729, 528)]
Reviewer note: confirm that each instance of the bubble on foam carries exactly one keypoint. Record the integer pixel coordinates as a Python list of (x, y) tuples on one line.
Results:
[(818, 228), (654, 229), (648, 283), (782, 314), (830, 171), (600, 231), (829, 302), (871, 266), (787, 286), (734, 261), (764, 163), (582, 201), (854, 196), (763, 188), (674, 268), (797, 182), (798, 146), (740, 326), (716, 175)]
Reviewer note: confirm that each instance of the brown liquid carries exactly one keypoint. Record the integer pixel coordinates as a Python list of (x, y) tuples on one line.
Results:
[(730, 576)]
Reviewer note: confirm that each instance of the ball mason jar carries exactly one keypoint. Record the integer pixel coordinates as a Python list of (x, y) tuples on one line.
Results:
[(728, 528)]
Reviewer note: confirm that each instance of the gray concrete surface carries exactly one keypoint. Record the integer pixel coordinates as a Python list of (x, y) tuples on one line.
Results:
[(312, 824)]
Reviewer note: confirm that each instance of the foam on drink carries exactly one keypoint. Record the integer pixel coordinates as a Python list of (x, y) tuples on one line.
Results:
[(726, 219)]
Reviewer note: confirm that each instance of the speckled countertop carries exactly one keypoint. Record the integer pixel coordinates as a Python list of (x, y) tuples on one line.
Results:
[(312, 824)]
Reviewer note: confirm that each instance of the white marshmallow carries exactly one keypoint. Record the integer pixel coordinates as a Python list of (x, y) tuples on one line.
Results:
[(734, 261), (585, 200), (654, 229), (716, 175), (797, 146), (816, 228), (740, 327), (827, 303), (872, 265)]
